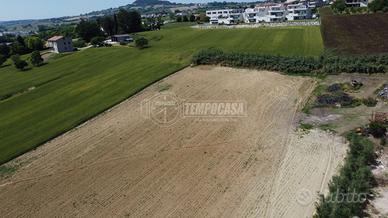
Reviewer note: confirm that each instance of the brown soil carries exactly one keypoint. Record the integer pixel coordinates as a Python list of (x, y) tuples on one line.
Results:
[(124, 164)]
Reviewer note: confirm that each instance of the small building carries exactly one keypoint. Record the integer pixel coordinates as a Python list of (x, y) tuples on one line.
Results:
[(122, 38), (60, 44)]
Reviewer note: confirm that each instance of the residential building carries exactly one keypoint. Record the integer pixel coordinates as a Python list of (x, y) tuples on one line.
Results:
[(356, 3), (267, 12), (60, 44), (122, 38), (225, 16), (299, 11)]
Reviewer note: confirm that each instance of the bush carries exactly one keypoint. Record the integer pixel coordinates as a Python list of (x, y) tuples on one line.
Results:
[(383, 141), (80, 43), (141, 42), (2, 59), (377, 129), (19, 63), (97, 41), (369, 102), (36, 59), (334, 87)]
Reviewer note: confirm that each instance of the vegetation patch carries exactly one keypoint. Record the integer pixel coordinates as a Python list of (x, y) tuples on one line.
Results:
[(352, 188), (295, 65), (369, 102), (354, 34)]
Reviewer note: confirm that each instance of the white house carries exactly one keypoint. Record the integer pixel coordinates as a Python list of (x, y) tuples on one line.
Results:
[(299, 11), (122, 38), (356, 3), (225, 16), (267, 12), (60, 44)]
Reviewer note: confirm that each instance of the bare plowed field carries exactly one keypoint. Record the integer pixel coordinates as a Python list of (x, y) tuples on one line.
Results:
[(142, 160)]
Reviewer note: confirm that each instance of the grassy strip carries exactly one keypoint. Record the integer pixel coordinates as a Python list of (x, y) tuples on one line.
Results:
[(349, 191), (295, 64)]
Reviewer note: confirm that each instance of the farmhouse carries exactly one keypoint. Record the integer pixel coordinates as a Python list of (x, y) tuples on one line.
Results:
[(60, 44), (122, 38)]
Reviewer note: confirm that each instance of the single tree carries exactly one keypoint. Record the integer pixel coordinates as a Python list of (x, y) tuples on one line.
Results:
[(129, 21), (19, 63), (34, 43), (36, 59), (108, 24), (97, 41), (2, 59), (87, 30), (141, 42), (4, 50), (192, 18), (377, 130), (339, 6)]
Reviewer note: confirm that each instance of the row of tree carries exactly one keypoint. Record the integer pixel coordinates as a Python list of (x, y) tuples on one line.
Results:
[(192, 18), (295, 65), (339, 6), (35, 59), (122, 22), (21, 46)]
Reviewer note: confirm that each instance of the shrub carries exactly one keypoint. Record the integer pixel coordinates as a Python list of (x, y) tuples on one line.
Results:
[(36, 59), (369, 102), (19, 63), (334, 88), (80, 43), (2, 59), (383, 141), (377, 129), (97, 41), (141, 42), (306, 126)]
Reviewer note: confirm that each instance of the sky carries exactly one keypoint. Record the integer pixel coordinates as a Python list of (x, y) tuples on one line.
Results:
[(38, 9)]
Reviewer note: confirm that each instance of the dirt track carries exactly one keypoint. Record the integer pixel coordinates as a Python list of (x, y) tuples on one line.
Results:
[(124, 164)]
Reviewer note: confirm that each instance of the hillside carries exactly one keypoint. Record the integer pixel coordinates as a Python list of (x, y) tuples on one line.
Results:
[(355, 34), (150, 2)]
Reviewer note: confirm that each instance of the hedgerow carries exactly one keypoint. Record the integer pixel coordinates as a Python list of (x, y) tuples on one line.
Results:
[(350, 190), (328, 64)]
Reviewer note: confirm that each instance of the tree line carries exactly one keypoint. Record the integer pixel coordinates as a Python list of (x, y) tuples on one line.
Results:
[(326, 63)]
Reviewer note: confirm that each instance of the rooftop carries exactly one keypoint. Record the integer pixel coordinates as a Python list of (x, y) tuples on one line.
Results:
[(55, 38)]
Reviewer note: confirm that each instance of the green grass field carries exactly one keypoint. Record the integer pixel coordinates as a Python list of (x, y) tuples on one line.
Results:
[(74, 88)]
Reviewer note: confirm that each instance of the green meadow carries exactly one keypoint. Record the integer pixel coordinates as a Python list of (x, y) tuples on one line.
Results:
[(42, 103)]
